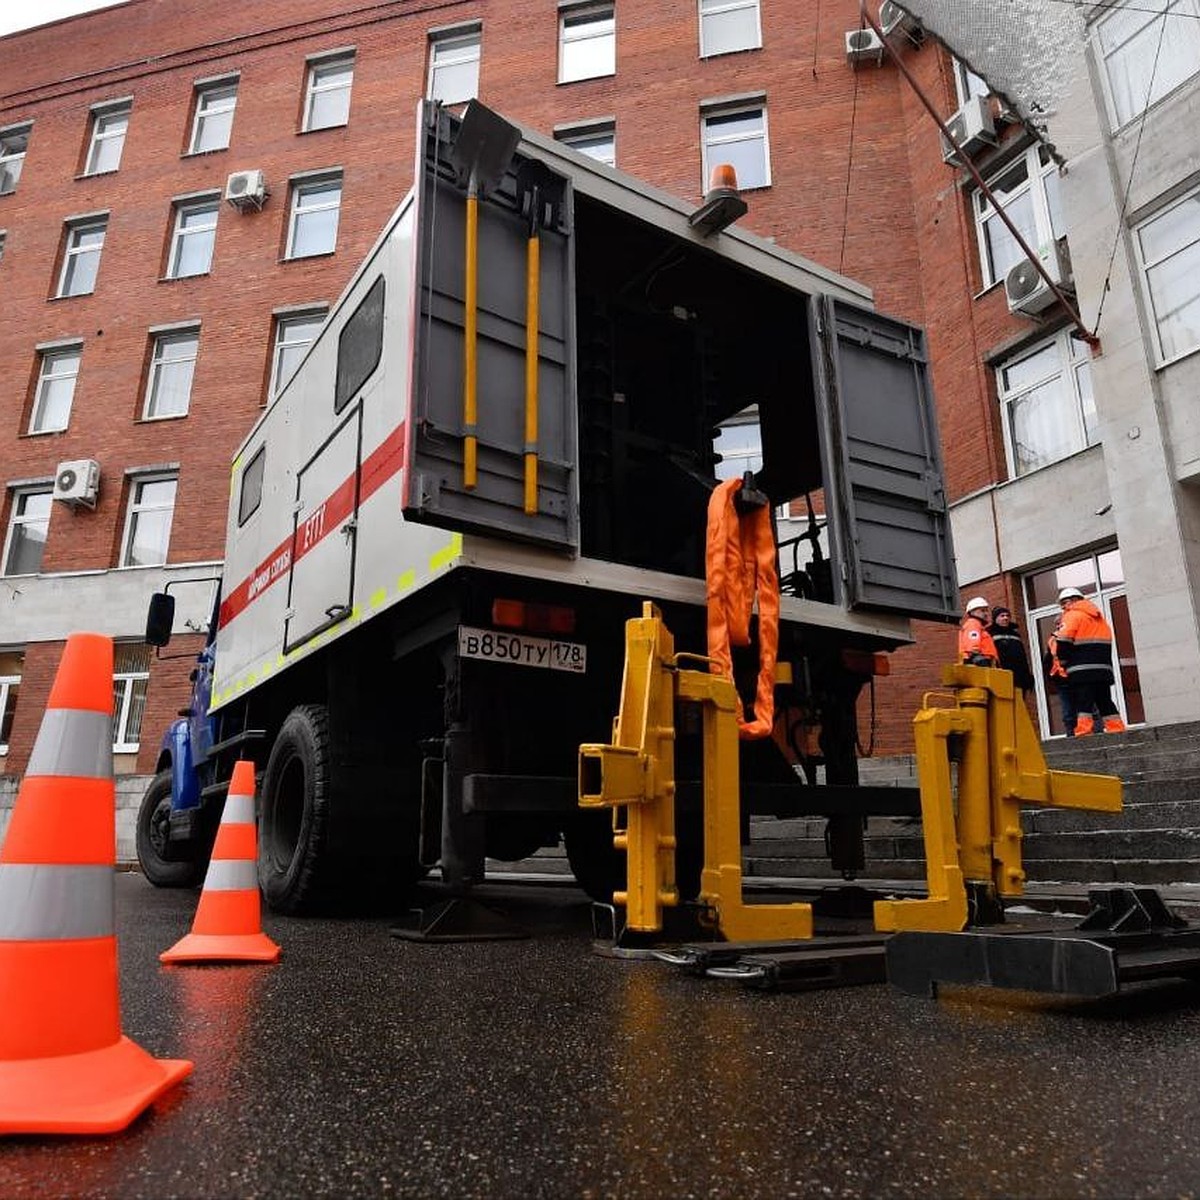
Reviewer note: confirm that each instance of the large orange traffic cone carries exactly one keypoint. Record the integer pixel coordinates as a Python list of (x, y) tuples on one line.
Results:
[(228, 924), (64, 1065)]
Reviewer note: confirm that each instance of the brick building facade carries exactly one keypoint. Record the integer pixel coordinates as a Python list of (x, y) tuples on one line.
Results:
[(855, 181)]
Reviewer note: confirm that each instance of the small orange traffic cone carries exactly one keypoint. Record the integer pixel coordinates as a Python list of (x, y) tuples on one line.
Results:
[(228, 924), (64, 1065)]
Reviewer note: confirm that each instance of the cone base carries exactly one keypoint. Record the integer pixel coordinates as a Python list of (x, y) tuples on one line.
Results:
[(222, 947), (100, 1091)]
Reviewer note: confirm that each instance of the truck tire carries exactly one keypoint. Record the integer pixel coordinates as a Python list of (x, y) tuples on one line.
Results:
[(294, 813), (152, 824)]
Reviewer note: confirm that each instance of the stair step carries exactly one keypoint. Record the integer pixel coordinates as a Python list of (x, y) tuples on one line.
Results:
[(1116, 844), (1135, 871), (1174, 814)]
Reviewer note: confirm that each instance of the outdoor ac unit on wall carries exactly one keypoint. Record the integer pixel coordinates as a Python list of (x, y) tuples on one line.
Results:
[(972, 128), (863, 45), (893, 19), (1027, 292), (246, 189), (77, 482)]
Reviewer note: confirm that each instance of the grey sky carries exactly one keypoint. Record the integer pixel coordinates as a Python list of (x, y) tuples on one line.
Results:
[(21, 14)]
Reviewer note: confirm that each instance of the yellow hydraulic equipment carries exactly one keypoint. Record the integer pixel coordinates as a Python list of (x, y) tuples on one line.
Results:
[(635, 777), (1000, 767)]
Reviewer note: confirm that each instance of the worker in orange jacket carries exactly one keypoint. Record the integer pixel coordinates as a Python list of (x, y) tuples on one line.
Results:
[(975, 645), (1084, 647)]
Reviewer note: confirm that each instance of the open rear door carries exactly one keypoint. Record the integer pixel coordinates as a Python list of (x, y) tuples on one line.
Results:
[(883, 470), (436, 490)]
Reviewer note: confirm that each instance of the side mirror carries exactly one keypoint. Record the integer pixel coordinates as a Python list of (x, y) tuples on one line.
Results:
[(160, 619)]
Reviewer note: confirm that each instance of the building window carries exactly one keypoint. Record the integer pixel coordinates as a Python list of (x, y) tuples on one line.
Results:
[(131, 677), (587, 43), (81, 256), (729, 25), (148, 522), (1046, 399), (172, 364), (313, 226), (294, 333), (1169, 251), (327, 96), (1148, 50), (55, 390), (10, 687), (3, 236), (109, 125), (27, 529), (193, 239), (14, 141), (213, 120), (1028, 191), (454, 66), (597, 140), (737, 136)]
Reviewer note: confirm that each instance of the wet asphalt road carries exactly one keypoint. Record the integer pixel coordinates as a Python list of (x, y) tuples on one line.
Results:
[(362, 1065)]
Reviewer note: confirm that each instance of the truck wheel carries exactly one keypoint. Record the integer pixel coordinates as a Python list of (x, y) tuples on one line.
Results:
[(294, 813), (153, 823)]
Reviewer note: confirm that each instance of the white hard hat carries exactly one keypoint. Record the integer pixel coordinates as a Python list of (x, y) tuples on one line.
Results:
[(1069, 594), (978, 602)]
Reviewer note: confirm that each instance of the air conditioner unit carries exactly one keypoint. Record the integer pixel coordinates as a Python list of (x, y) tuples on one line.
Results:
[(245, 189), (893, 19), (1025, 289), (77, 482), (863, 45), (972, 128)]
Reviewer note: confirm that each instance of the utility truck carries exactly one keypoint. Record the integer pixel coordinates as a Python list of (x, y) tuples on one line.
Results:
[(502, 441)]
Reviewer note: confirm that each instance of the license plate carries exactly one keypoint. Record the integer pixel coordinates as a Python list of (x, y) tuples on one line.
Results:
[(521, 650)]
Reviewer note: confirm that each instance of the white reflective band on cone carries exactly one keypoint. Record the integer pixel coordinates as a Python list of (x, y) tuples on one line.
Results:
[(231, 875), (239, 810), (75, 742), (44, 903)]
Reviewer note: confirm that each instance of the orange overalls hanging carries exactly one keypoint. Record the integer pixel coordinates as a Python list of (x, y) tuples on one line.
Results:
[(740, 561)]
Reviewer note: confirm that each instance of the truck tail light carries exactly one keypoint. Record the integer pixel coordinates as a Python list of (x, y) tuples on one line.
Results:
[(534, 618)]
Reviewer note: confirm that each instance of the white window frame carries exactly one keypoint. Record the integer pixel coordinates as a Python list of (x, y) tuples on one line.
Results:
[(51, 355), (339, 62), (710, 146), (12, 161), (580, 23), (1074, 368), (1039, 169), (1108, 51), (110, 124), (20, 495), (967, 84), (136, 507), (285, 321), (74, 252), (3, 239), (454, 48), (1147, 266), (298, 208), (213, 102), (164, 339), (125, 689), (719, 8), (7, 683), (587, 139), (197, 206)]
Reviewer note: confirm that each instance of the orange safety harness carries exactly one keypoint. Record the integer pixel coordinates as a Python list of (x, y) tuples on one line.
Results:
[(740, 561)]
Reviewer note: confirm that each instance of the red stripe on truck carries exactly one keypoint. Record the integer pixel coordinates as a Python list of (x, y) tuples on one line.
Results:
[(327, 517)]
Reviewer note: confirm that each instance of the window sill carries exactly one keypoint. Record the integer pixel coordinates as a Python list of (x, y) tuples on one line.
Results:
[(203, 153), (31, 433), (96, 174), (585, 78), (322, 128), (308, 257), (73, 296), (183, 278), (1170, 362), (723, 53), (158, 420)]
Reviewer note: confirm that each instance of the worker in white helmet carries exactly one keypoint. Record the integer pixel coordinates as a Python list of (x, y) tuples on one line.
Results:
[(975, 645), (1084, 646)]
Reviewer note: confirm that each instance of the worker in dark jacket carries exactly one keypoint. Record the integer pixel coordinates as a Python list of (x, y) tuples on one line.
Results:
[(1006, 634), (975, 645), (1084, 644)]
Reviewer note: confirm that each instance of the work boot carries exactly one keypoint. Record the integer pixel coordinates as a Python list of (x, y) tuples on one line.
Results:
[(1085, 726), (1114, 725)]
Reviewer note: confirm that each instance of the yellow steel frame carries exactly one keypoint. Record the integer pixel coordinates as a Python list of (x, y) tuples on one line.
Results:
[(1000, 768)]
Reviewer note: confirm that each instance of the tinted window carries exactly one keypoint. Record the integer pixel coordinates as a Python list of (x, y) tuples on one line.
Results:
[(252, 485), (360, 346)]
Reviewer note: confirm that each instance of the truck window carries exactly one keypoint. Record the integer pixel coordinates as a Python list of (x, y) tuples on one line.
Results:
[(360, 346), (252, 486)]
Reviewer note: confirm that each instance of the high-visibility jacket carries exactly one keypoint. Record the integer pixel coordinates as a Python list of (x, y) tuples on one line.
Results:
[(974, 639), (1085, 644)]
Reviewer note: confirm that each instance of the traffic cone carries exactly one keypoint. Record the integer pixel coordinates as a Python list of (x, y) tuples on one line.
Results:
[(228, 924), (64, 1065)]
